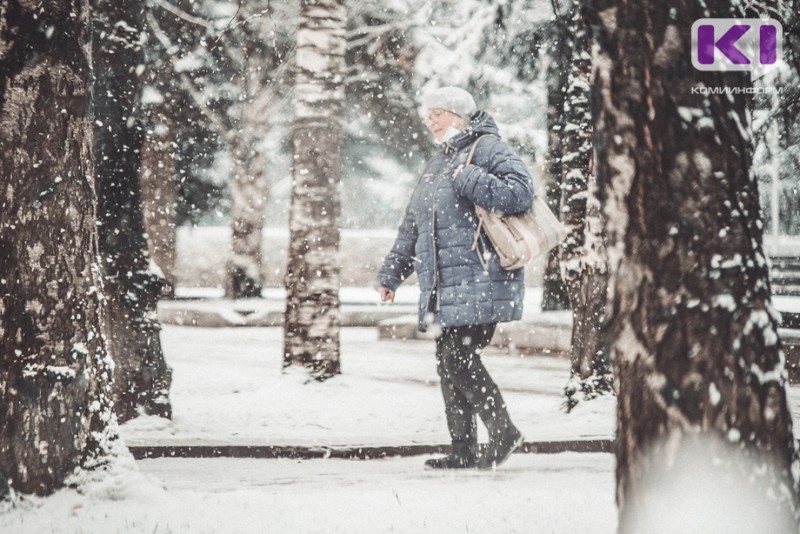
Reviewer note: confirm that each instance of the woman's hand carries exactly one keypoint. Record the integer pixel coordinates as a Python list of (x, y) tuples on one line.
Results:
[(386, 294)]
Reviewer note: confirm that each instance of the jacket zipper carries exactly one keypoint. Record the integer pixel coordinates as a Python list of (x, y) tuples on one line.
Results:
[(436, 280), (435, 251)]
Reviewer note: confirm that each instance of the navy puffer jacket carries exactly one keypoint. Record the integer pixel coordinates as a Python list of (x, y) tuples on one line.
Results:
[(435, 237)]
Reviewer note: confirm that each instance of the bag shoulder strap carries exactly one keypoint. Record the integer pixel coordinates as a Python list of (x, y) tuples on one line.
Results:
[(474, 147)]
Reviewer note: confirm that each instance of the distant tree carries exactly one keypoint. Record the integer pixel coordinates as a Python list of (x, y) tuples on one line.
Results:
[(250, 185), (177, 68), (380, 83), (141, 375), (582, 256), (776, 124), (693, 335), (312, 320), (55, 373), (159, 185), (232, 77)]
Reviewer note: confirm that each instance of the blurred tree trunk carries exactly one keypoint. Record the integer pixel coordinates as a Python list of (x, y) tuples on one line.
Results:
[(249, 189), (582, 256), (55, 405), (792, 34), (248, 54), (141, 376), (692, 332), (311, 333), (554, 294), (159, 194)]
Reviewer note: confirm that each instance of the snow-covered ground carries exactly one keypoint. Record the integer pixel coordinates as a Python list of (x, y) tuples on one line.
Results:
[(561, 493), (228, 389)]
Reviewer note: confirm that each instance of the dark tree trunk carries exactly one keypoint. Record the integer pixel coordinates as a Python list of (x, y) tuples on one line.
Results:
[(141, 376), (582, 255), (554, 294), (159, 195), (55, 410), (692, 332), (312, 275)]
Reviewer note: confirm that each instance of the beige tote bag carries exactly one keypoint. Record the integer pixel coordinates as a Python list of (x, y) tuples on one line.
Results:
[(520, 237)]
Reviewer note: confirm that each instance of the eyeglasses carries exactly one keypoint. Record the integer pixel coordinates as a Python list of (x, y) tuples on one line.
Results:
[(435, 113)]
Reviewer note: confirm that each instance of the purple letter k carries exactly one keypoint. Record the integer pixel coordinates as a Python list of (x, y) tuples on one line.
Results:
[(726, 44)]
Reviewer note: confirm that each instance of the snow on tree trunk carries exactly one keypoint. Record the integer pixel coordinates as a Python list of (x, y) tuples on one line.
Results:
[(693, 335), (55, 400), (554, 295), (311, 334), (141, 376), (159, 196), (582, 255)]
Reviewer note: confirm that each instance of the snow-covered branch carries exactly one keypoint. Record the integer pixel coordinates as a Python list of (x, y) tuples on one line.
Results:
[(219, 124)]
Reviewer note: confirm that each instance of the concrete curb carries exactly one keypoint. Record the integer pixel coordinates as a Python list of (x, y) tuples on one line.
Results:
[(223, 313), (348, 453), (539, 333)]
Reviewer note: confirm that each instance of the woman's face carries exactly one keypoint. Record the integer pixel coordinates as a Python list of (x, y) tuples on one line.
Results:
[(438, 120)]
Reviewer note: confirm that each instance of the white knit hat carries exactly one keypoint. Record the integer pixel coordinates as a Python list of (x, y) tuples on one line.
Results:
[(453, 99)]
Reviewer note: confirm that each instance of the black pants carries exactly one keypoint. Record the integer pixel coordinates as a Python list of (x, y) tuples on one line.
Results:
[(467, 388)]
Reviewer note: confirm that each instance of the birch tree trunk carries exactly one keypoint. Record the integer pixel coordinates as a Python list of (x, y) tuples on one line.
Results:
[(582, 255), (311, 333), (55, 399), (141, 375), (693, 334)]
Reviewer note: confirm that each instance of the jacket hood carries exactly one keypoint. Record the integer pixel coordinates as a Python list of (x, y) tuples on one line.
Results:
[(480, 123)]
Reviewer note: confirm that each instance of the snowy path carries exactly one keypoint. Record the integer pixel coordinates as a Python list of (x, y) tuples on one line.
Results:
[(228, 390), (567, 493), (398, 496)]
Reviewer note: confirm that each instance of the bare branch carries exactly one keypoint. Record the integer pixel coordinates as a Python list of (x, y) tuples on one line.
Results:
[(228, 26), (556, 10), (188, 17), (218, 123)]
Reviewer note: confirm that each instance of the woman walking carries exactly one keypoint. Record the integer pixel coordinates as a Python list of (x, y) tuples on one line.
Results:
[(464, 292)]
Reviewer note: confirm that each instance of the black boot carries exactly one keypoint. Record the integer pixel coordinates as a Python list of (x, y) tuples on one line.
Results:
[(462, 457), (500, 448)]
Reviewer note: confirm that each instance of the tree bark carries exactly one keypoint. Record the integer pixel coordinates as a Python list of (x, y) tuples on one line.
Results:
[(55, 410), (554, 294), (311, 333), (582, 255), (142, 377), (693, 335)]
